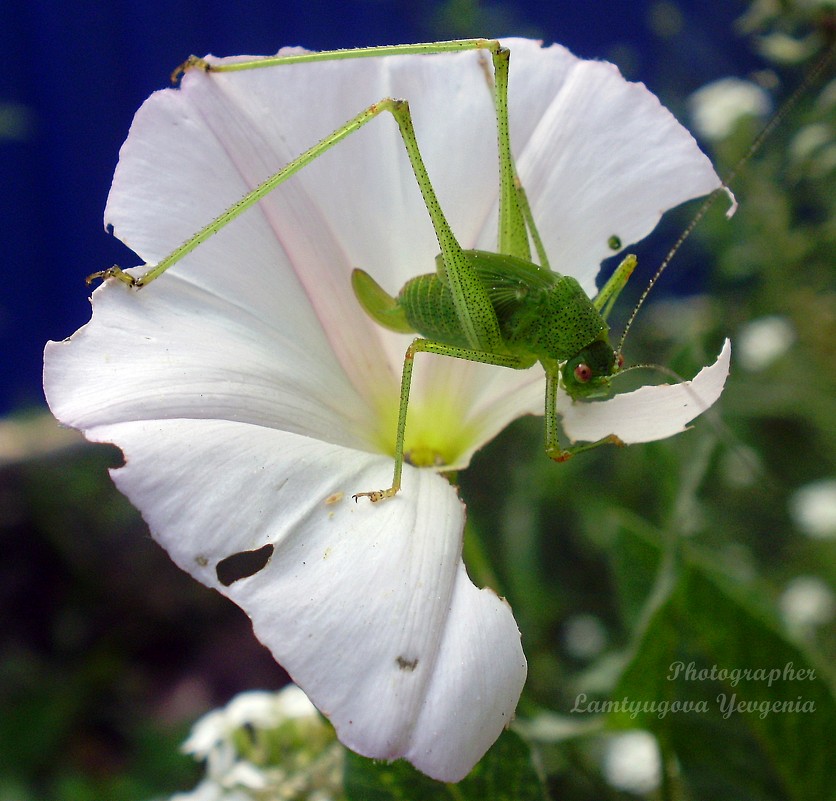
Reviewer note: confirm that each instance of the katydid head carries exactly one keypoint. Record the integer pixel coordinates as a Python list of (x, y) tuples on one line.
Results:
[(588, 374)]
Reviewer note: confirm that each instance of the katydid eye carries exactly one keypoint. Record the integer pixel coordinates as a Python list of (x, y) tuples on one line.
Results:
[(583, 372)]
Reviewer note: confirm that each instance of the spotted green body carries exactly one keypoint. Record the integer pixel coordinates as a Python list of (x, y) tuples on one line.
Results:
[(542, 316)]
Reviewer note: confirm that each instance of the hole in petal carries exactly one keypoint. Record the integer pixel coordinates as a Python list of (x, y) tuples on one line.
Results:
[(115, 456), (407, 664), (242, 565)]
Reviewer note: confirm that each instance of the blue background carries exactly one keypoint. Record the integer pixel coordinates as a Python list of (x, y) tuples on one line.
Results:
[(74, 74)]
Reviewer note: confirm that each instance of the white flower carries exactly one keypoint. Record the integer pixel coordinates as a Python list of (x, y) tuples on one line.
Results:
[(762, 341), (251, 395), (807, 602), (813, 509), (265, 744), (716, 107), (211, 737), (632, 762)]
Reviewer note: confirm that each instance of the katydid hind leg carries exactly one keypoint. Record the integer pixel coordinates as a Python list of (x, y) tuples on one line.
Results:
[(474, 310), (250, 199)]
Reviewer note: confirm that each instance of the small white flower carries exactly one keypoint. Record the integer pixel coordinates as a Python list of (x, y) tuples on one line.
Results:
[(813, 509), (265, 742), (632, 762), (585, 636), (762, 341), (206, 733), (716, 107), (268, 709), (252, 396), (211, 737), (807, 602)]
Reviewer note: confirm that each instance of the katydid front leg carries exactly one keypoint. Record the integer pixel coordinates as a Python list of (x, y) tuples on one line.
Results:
[(553, 448)]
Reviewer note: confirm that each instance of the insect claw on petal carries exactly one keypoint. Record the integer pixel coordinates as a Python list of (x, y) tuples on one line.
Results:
[(376, 495), (113, 272), (192, 62)]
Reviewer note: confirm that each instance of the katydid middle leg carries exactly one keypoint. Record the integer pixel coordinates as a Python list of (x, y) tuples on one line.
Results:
[(441, 349)]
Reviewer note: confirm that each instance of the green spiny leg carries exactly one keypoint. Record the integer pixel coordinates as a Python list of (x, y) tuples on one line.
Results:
[(514, 211), (421, 48), (525, 208), (250, 199), (553, 448), (474, 310), (428, 346), (477, 316), (513, 236)]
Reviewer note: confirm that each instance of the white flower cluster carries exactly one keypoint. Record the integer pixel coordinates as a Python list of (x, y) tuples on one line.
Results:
[(265, 745)]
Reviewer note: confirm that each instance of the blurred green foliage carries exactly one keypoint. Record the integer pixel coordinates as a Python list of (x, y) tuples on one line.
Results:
[(683, 550), (617, 564)]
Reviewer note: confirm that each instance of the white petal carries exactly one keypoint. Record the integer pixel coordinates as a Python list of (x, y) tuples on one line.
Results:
[(368, 607), (606, 158), (649, 413), (182, 352)]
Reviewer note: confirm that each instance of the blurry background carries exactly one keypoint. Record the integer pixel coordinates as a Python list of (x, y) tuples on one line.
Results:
[(108, 653)]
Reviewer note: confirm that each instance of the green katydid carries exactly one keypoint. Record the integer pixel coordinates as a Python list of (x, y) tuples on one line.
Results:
[(495, 308)]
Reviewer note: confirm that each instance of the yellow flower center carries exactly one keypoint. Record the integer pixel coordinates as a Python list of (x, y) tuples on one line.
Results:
[(436, 435)]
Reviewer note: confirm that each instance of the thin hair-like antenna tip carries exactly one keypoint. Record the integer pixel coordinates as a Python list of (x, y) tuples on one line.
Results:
[(770, 126)]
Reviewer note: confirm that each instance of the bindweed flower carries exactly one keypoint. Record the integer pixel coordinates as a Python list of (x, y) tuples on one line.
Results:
[(251, 396)]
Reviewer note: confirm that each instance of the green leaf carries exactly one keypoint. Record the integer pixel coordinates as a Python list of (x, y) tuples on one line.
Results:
[(505, 773), (746, 712)]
